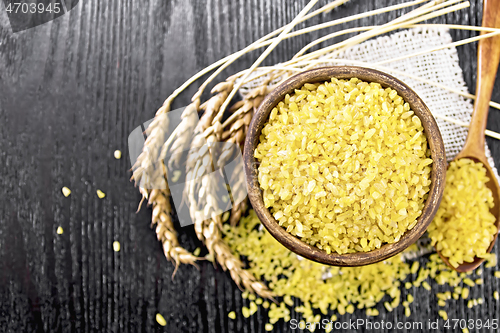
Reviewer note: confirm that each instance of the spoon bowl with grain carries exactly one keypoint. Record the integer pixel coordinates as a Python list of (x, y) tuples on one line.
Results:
[(488, 58)]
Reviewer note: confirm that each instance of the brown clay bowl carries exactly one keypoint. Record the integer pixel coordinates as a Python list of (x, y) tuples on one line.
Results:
[(434, 139)]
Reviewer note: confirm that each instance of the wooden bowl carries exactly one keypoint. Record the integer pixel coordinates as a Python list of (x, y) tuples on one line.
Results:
[(434, 139)]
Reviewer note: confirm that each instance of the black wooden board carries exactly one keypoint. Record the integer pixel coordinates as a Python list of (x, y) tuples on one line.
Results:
[(71, 91)]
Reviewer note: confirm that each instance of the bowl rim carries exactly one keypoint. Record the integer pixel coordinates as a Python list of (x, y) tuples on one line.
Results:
[(434, 140)]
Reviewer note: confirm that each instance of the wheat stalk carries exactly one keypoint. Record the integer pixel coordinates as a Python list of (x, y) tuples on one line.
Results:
[(263, 41), (267, 39), (412, 17), (260, 59), (428, 7)]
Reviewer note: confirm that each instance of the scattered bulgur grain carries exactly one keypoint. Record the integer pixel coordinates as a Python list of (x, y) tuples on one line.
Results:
[(465, 293), (100, 194), (116, 246), (443, 314), (117, 154), (497, 274), (59, 230), (160, 320), (426, 285), (469, 282), (196, 252), (491, 260), (66, 191), (232, 315), (495, 295), (269, 327), (388, 306), (414, 267), (442, 296), (253, 308)]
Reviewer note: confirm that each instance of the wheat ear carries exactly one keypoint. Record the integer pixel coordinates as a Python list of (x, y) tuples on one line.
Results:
[(199, 160), (147, 168), (165, 230), (182, 135)]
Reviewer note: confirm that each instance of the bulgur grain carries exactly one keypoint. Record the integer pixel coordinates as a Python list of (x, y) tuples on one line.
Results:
[(101, 194), (443, 314), (343, 166), (160, 320), (66, 191), (463, 227)]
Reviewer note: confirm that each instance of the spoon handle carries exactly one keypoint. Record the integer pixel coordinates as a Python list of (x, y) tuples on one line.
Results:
[(488, 57)]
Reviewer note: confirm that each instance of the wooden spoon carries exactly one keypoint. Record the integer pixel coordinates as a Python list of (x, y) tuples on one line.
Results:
[(488, 57)]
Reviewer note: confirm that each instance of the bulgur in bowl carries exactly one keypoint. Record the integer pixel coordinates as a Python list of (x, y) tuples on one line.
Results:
[(345, 165)]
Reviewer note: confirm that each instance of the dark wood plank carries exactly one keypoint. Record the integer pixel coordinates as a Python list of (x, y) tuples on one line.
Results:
[(70, 93)]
